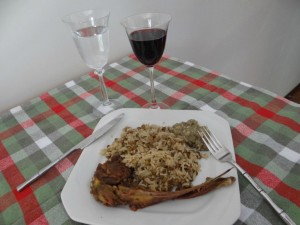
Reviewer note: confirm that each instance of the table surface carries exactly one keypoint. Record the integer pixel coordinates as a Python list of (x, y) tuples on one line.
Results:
[(265, 130)]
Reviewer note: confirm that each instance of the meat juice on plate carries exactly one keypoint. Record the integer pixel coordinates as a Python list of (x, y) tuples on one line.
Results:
[(148, 45), (93, 45)]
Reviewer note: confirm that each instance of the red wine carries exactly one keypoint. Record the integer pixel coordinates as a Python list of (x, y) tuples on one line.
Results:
[(148, 45)]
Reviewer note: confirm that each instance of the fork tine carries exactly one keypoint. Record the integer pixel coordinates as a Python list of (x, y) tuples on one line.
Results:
[(206, 136), (205, 140), (210, 140), (213, 137)]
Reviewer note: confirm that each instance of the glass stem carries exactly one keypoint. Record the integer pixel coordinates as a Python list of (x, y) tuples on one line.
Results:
[(152, 89), (103, 92)]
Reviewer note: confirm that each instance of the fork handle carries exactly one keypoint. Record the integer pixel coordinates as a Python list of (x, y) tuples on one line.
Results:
[(280, 211)]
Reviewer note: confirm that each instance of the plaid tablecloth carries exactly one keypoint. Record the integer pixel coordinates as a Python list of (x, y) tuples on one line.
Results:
[(265, 129)]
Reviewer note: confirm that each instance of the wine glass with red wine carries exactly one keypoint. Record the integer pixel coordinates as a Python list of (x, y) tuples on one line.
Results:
[(147, 34)]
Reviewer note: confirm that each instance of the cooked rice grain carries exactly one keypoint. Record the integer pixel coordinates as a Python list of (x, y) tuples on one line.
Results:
[(161, 160)]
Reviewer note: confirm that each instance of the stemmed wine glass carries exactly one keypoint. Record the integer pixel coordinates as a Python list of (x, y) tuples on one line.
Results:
[(91, 36), (147, 33)]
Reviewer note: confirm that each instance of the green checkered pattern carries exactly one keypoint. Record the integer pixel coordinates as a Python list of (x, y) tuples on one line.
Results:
[(265, 129)]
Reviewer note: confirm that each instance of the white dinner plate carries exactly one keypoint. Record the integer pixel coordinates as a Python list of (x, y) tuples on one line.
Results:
[(221, 206)]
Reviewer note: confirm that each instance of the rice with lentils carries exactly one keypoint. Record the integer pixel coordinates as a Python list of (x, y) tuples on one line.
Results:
[(161, 159)]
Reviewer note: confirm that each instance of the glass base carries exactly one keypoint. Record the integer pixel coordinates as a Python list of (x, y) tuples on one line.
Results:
[(104, 109), (159, 105)]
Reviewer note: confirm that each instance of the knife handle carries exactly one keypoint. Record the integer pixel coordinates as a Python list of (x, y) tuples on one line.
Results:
[(44, 170)]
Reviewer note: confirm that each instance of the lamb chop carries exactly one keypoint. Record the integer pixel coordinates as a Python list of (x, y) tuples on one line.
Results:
[(113, 171), (111, 187)]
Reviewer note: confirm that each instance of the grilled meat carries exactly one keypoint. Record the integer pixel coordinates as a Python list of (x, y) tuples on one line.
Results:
[(113, 171), (111, 186)]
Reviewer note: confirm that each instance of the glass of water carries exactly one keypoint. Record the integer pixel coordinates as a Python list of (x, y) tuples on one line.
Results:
[(91, 36)]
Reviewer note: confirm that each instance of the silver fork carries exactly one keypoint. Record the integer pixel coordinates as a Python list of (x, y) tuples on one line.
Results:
[(221, 153)]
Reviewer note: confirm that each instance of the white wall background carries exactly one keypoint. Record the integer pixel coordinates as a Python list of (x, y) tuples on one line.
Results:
[(255, 41)]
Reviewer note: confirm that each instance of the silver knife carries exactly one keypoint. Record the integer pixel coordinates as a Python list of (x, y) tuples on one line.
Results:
[(84, 143)]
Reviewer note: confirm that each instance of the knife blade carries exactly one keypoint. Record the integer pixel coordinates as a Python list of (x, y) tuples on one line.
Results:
[(81, 145)]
